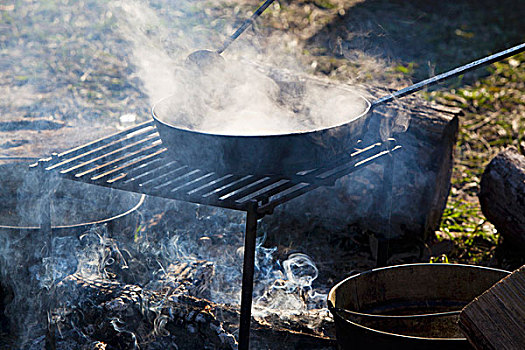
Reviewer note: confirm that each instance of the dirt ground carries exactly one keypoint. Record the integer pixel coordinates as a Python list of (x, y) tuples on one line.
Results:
[(67, 74)]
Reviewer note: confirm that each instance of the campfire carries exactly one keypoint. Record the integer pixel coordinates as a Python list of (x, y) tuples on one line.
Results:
[(134, 160)]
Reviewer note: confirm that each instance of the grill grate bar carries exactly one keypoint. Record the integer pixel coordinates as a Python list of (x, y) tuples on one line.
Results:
[(320, 174), (101, 149), (272, 191), (149, 125), (238, 182), (102, 155), (254, 186), (263, 194), (347, 169), (128, 165), (215, 183), (184, 180), (166, 185), (290, 193), (188, 186), (165, 176), (121, 158), (149, 170), (287, 194)]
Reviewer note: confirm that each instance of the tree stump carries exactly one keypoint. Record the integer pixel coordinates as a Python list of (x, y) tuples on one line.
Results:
[(496, 319), (502, 195), (421, 182)]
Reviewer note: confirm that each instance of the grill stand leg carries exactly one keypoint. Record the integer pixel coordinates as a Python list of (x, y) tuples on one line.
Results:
[(45, 202), (383, 241), (46, 231), (247, 277)]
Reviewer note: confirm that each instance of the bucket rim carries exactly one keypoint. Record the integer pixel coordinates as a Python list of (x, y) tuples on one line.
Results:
[(334, 309)]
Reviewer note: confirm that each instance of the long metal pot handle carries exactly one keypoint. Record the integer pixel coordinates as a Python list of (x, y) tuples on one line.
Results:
[(244, 25), (460, 70)]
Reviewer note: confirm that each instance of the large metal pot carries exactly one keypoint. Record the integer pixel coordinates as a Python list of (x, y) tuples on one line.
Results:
[(75, 206), (284, 154)]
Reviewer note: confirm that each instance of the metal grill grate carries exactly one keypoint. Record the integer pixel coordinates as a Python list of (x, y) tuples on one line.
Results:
[(135, 160)]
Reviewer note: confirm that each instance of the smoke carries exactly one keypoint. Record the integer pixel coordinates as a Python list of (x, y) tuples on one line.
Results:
[(199, 258), (231, 96), (214, 244), (199, 254), (138, 23), (32, 261)]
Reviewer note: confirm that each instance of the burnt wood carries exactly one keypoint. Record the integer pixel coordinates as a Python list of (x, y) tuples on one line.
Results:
[(496, 319), (502, 195), (172, 313)]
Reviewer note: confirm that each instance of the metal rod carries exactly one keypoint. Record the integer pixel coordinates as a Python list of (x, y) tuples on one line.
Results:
[(45, 202), (245, 25), (45, 231), (460, 70), (383, 244), (247, 277)]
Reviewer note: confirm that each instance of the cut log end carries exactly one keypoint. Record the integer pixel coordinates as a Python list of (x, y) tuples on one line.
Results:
[(502, 195), (496, 319)]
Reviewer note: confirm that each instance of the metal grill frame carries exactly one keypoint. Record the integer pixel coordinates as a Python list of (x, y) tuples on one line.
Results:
[(134, 160)]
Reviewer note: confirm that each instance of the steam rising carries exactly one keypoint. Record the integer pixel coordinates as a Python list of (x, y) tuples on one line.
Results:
[(239, 99), (234, 98)]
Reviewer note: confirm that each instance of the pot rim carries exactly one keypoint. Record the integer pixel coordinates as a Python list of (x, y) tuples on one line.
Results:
[(402, 336), (135, 207), (365, 111)]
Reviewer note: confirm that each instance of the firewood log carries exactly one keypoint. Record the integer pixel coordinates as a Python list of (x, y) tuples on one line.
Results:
[(421, 182), (166, 314), (502, 195)]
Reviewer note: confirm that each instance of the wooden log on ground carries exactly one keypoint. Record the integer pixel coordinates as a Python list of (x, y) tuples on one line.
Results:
[(502, 195), (496, 319), (421, 182)]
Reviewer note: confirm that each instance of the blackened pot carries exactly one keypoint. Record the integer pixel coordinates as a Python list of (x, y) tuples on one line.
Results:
[(287, 154), (276, 154)]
